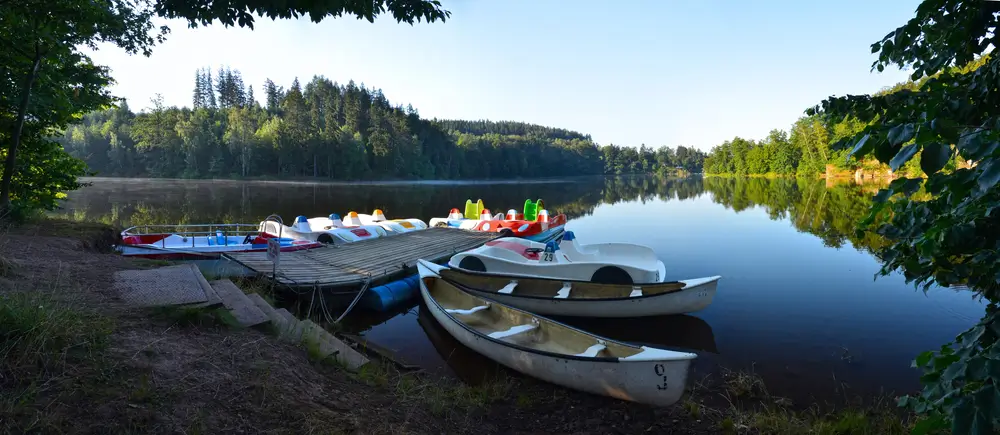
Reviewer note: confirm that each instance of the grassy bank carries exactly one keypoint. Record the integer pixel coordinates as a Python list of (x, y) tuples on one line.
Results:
[(75, 360)]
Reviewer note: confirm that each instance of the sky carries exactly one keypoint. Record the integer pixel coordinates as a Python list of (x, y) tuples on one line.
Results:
[(657, 72)]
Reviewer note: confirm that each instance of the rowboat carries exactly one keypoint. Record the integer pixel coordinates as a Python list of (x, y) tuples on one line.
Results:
[(393, 225), (199, 241), (558, 297), (552, 351), (608, 263), (532, 224), (330, 229)]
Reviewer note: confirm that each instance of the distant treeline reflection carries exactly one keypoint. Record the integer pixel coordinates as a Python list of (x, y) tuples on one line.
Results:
[(828, 211)]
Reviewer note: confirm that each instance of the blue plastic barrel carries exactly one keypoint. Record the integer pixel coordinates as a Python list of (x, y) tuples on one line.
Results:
[(392, 295)]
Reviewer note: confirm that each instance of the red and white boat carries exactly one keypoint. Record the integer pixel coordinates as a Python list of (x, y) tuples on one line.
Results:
[(200, 241), (534, 223)]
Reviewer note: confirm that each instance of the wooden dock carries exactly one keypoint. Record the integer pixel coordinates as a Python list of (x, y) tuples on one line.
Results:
[(348, 266)]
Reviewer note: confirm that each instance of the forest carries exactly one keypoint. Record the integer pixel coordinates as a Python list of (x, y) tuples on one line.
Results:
[(347, 131), (811, 144)]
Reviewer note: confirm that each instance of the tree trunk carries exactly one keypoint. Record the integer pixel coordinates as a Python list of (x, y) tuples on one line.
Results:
[(22, 113)]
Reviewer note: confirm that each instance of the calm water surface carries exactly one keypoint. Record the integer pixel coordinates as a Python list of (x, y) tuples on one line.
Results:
[(798, 302)]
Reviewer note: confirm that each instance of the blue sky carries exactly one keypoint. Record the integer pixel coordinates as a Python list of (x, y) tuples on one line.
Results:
[(665, 72)]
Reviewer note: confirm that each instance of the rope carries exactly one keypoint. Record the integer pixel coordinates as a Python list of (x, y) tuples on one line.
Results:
[(356, 298), (326, 307)]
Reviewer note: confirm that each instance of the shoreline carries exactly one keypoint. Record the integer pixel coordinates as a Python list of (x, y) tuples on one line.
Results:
[(190, 371), (401, 182)]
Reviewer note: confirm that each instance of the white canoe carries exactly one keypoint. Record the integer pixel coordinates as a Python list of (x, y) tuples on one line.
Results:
[(554, 352), (582, 298)]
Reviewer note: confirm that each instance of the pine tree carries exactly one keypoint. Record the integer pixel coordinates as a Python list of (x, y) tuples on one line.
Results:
[(208, 90), (222, 86), (272, 96), (250, 100), (238, 96), (197, 99)]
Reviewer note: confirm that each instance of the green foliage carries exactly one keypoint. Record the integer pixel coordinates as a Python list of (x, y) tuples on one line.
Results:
[(45, 172), (242, 13), (313, 131), (49, 82), (948, 235)]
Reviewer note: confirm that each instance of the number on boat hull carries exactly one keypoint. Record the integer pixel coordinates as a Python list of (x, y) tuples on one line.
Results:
[(661, 371)]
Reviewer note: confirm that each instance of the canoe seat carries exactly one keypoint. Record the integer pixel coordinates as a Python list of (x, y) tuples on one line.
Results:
[(564, 291), (636, 291), (509, 288), (592, 351), (519, 329), (469, 311)]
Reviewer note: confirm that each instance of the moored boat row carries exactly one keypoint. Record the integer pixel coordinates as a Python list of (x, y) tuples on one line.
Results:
[(493, 298), (199, 241)]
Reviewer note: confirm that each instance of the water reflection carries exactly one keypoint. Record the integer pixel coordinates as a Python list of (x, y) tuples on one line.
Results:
[(829, 211), (813, 206), (465, 363)]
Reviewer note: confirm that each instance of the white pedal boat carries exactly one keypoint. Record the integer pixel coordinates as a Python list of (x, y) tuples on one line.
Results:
[(324, 229), (583, 298), (607, 263), (555, 352), (393, 225)]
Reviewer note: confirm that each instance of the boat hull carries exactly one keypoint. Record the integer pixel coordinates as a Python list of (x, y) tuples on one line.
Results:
[(332, 235), (532, 230), (199, 252), (688, 300), (659, 383)]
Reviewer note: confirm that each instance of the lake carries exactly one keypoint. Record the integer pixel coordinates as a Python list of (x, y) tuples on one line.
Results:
[(798, 303)]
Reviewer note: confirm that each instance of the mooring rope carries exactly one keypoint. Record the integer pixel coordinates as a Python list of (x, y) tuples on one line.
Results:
[(356, 298)]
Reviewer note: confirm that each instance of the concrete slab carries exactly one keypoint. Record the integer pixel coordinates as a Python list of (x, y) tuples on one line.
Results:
[(330, 346), (243, 309)]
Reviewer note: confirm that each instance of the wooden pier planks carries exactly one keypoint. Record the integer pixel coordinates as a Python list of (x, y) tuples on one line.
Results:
[(349, 265)]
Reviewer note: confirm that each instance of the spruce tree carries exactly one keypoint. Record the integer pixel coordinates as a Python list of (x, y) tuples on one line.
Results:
[(197, 99), (222, 86), (272, 96), (208, 90), (238, 93)]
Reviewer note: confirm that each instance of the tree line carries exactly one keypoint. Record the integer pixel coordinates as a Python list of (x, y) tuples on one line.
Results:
[(337, 131), (49, 83), (814, 142)]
